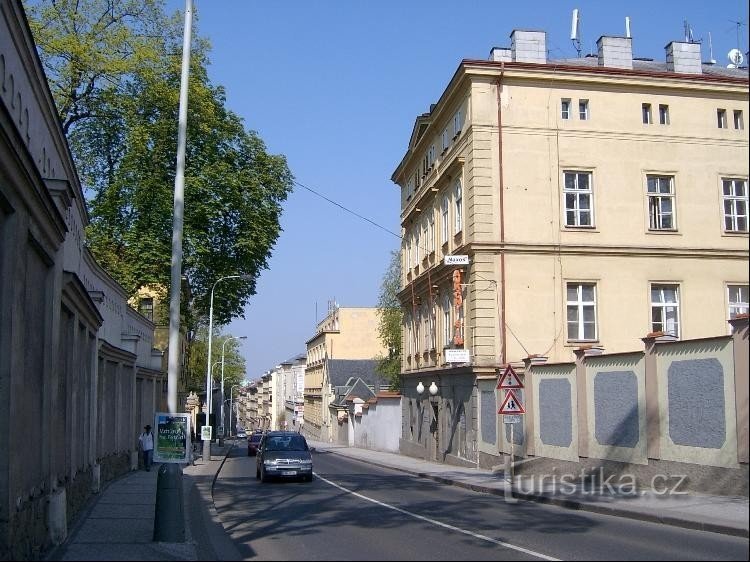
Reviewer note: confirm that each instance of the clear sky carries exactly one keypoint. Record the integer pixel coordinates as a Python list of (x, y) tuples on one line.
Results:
[(335, 85)]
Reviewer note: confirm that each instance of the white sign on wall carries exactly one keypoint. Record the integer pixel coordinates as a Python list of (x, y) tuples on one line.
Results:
[(456, 260), (457, 356)]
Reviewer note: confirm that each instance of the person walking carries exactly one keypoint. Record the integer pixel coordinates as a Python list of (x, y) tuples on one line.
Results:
[(146, 444)]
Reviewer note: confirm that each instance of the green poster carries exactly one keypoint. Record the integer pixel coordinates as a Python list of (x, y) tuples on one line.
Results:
[(172, 437)]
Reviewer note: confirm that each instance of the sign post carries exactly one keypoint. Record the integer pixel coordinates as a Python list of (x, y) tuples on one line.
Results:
[(511, 409)]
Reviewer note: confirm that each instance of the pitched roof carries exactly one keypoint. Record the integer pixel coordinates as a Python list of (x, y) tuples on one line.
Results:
[(341, 370)]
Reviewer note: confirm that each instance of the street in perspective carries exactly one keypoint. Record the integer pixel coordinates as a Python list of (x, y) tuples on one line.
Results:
[(374, 281)]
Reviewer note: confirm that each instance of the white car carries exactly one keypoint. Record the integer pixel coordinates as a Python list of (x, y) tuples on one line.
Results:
[(241, 434)]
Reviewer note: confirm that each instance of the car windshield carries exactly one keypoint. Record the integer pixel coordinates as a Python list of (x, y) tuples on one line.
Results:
[(255, 437), (286, 443)]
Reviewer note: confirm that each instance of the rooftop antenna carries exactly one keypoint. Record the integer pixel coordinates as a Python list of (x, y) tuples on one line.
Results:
[(575, 33), (688, 31), (711, 59), (627, 27)]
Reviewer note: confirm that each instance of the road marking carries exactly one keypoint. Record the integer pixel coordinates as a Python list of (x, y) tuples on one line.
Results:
[(438, 523)]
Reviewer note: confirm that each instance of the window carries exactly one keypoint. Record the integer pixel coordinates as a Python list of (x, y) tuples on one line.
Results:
[(735, 204), (430, 156), (444, 220), (665, 309), (427, 328), (409, 188), (425, 237), (431, 232), (409, 333), (581, 311), (417, 322), (739, 124), (646, 113), (146, 308), (578, 195), (583, 110), (737, 295), (565, 109), (663, 114), (660, 203), (445, 140), (458, 207), (417, 248), (447, 320), (721, 118), (456, 123)]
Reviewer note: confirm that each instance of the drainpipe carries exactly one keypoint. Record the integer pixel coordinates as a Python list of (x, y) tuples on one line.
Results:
[(502, 215)]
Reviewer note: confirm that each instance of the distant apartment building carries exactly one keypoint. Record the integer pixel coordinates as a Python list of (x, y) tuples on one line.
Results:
[(293, 389), (345, 333), (587, 202)]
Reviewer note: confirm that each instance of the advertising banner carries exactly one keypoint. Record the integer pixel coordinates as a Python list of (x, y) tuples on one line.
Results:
[(172, 437)]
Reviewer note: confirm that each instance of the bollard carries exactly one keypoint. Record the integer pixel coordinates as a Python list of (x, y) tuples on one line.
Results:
[(169, 518)]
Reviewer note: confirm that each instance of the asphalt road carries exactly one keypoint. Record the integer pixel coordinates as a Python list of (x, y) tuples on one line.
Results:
[(353, 510)]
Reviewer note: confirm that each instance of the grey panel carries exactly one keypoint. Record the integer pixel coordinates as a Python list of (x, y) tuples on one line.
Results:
[(555, 412), (489, 417), (616, 408), (518, 428), (696, 403)]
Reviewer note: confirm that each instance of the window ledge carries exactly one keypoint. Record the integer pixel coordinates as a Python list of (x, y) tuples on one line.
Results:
[(672, 231)]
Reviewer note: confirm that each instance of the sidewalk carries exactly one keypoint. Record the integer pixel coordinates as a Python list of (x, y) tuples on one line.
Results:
[(719, 514), (118, 523)]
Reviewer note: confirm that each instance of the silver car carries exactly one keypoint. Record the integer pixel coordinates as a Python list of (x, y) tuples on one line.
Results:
[(283, 454)]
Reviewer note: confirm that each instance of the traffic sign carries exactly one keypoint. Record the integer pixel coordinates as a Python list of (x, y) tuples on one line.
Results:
[(509, 379), (511, 405)]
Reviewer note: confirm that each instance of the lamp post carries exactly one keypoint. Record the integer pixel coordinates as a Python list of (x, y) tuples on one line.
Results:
[(209, 386), (223, 348), (231, 395)]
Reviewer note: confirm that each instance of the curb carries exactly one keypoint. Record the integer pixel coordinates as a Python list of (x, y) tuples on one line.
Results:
[(570, 504)]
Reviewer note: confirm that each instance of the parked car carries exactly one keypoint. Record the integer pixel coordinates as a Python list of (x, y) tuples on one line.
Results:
[(241, 434), (252, 443), (283, 454)]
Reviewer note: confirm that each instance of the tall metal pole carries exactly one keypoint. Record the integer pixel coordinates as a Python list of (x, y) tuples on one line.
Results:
[(223, 348), (169, 521), (231, 396)]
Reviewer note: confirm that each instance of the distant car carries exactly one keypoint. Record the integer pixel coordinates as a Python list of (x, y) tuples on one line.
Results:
[(252, 444), (241, 434), (283, 454)]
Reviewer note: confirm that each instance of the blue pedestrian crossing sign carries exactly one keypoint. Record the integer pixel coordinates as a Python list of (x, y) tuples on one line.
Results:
[(511, 404)]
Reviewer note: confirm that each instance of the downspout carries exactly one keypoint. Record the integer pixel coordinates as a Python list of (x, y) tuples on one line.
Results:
[(502, 215)]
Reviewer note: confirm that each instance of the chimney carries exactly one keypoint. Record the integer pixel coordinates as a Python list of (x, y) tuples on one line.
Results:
[(615, 52), (498, 54), (684, 58), (528, 46)]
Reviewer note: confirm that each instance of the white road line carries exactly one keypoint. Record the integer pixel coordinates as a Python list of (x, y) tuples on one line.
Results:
[(439, 523)]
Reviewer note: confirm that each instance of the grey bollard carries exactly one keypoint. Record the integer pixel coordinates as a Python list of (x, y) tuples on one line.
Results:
[(169, 518)]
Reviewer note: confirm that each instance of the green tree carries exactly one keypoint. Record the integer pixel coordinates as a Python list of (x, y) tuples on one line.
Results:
[(234, 362), (114, 71), (390, 319)]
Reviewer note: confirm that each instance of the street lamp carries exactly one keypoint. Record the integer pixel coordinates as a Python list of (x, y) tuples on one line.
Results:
[(209, 385), (223, 347), (231, 395)]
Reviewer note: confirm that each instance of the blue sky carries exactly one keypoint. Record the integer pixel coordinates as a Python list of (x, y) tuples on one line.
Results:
[(336, 85)]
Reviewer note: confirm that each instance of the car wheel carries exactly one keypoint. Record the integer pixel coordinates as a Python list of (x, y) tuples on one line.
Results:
[(263, 475), (257, 473), (308, 478)]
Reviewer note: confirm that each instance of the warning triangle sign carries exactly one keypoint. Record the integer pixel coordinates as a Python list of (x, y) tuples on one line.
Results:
[(509, 379), (511, 405)]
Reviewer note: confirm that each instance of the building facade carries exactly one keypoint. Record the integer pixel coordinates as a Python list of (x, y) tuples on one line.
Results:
[(345, 333), (592, 201)]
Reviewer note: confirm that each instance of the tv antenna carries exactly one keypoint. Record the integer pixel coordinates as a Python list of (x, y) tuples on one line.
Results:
[(575, 31), (627, 27), (711, 59)]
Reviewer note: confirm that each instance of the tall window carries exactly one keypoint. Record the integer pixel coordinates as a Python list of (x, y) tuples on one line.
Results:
[(721, 118), (447, 328), (146, 308), (664, 114), (665, 309), (409, 333), (737, 297), (417, 247), (646, 113), (734, 194), (583, 110), (425, 237), (739, 123), (458, 207), (444, 220), (565, 109), (409, 187), (431, 231), (579, 196), (456, 123), (661, 202), (427, 328), (417, 322), (445, 140), (581, 311)]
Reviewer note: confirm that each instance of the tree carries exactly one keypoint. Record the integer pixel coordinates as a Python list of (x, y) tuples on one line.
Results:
[(114, 70), (390, 319), (234, 362)]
